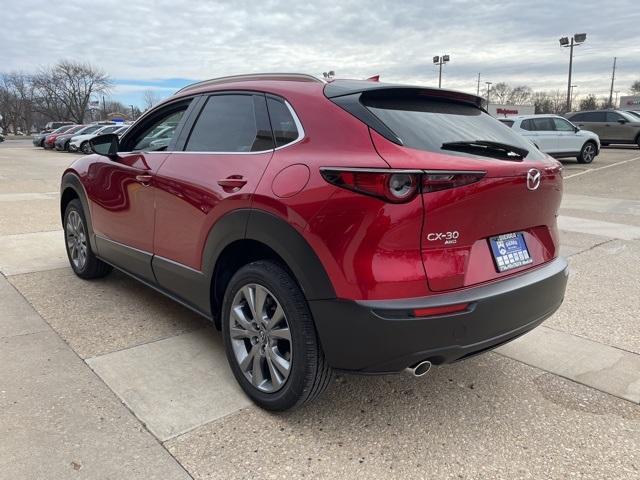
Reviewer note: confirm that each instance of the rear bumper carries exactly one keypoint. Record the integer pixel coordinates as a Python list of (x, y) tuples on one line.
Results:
[(381, 336)]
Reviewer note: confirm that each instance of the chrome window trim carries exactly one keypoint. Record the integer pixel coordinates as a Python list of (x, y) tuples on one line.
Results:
[(296, 121)]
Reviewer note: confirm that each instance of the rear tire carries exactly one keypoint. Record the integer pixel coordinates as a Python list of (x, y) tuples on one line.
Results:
[(276, 358), (588, 152), (82, 259)]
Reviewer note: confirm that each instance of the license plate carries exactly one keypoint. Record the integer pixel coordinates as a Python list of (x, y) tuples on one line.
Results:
[(510, 251)]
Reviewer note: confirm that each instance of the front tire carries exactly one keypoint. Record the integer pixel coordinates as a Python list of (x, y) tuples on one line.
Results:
[(588, 152), (85, 147), (270, 338), (82, 259)]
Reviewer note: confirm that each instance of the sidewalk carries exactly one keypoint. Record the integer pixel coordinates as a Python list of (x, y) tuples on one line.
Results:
[(58, 420)]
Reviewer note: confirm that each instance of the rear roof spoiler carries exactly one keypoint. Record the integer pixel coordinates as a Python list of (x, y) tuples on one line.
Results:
[(339, 88), (347, 95)]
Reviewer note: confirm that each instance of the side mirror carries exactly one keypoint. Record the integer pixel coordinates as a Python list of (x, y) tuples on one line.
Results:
[(622, 121), (105, 145), (576, 129)]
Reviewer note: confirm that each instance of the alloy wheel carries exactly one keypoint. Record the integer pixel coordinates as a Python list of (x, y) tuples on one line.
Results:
[(588, 153), (260, 337), (76, 240)]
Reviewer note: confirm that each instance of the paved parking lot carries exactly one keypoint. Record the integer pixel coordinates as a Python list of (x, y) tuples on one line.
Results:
[(109, 380)]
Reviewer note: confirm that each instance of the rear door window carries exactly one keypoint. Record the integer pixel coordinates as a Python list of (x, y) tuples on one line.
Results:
[(589, 117), (544, 124), (527, 125), (232, 123), (426, 123)]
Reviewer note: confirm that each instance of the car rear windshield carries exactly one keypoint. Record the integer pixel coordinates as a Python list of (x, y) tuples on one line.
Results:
[(426, 123)]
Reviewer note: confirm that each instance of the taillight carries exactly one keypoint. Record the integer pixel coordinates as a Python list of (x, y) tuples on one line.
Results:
[(435, 181), (391, 186), (397, 186)]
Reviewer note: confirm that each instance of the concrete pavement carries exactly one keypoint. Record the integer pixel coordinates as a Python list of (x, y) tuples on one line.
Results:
[(122, 383)]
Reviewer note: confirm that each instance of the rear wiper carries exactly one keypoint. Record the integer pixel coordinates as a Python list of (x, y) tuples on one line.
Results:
[(488, 148)]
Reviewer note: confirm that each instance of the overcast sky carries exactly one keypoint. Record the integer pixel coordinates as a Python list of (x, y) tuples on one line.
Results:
[(165, 44)]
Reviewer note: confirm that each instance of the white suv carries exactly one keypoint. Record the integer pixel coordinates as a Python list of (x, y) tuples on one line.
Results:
[(556, 136), (80, 143)]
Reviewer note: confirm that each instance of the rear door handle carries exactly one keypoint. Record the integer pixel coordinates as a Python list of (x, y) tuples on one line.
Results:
[(234, 181), (144, 179)]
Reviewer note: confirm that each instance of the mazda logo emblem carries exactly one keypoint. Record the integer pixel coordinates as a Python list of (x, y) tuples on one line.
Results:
[(533, 179)]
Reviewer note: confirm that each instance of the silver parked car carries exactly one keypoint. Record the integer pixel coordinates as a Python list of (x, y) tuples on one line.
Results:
[(612, 126)]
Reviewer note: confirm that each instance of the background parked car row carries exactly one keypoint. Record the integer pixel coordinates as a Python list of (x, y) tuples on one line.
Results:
[(75, 138)]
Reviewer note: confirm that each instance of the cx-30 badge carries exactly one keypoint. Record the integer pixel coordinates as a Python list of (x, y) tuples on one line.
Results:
[(533, 179)]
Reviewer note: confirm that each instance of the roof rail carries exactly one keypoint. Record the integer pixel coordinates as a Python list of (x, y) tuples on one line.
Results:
[(298, 77)]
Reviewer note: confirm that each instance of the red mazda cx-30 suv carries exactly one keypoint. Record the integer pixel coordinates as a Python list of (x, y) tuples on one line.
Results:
[(349, 225)]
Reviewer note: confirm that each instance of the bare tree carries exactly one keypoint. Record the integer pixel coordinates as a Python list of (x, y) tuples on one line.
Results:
[(500, 93), (16, 101), (64, 90), (150, 99), (520, 95), (635, 87), (590, 102), (543, 102)]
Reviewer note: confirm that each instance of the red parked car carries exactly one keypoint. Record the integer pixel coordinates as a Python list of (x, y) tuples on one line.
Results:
[(50, 140), (349, 225)]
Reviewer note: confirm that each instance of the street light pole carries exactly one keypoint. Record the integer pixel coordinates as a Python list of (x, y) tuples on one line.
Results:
[(488, 92), (440, 60), (576, 39), (613, 77), (571, 98), (569, 83)]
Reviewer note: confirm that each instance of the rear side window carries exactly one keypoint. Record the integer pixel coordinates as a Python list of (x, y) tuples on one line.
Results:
[(527, 125), (589, 117), (232, 123), (426, 123), (544, 124), (282, 122), (508, 123)]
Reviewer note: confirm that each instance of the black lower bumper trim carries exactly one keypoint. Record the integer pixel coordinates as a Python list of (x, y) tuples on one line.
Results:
[(381, 337)]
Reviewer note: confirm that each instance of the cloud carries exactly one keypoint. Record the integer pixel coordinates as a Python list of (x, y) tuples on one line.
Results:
[(149, 42)]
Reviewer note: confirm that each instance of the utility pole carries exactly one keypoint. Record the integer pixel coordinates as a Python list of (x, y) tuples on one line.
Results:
[(133, 117), (104, 108), (488, 92), (478, 92), (616, 92), (577, 39), (613, 77), (571, 98), (440, 60)]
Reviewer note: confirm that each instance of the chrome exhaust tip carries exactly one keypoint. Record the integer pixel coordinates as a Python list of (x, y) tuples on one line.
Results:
[(420, 369)]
